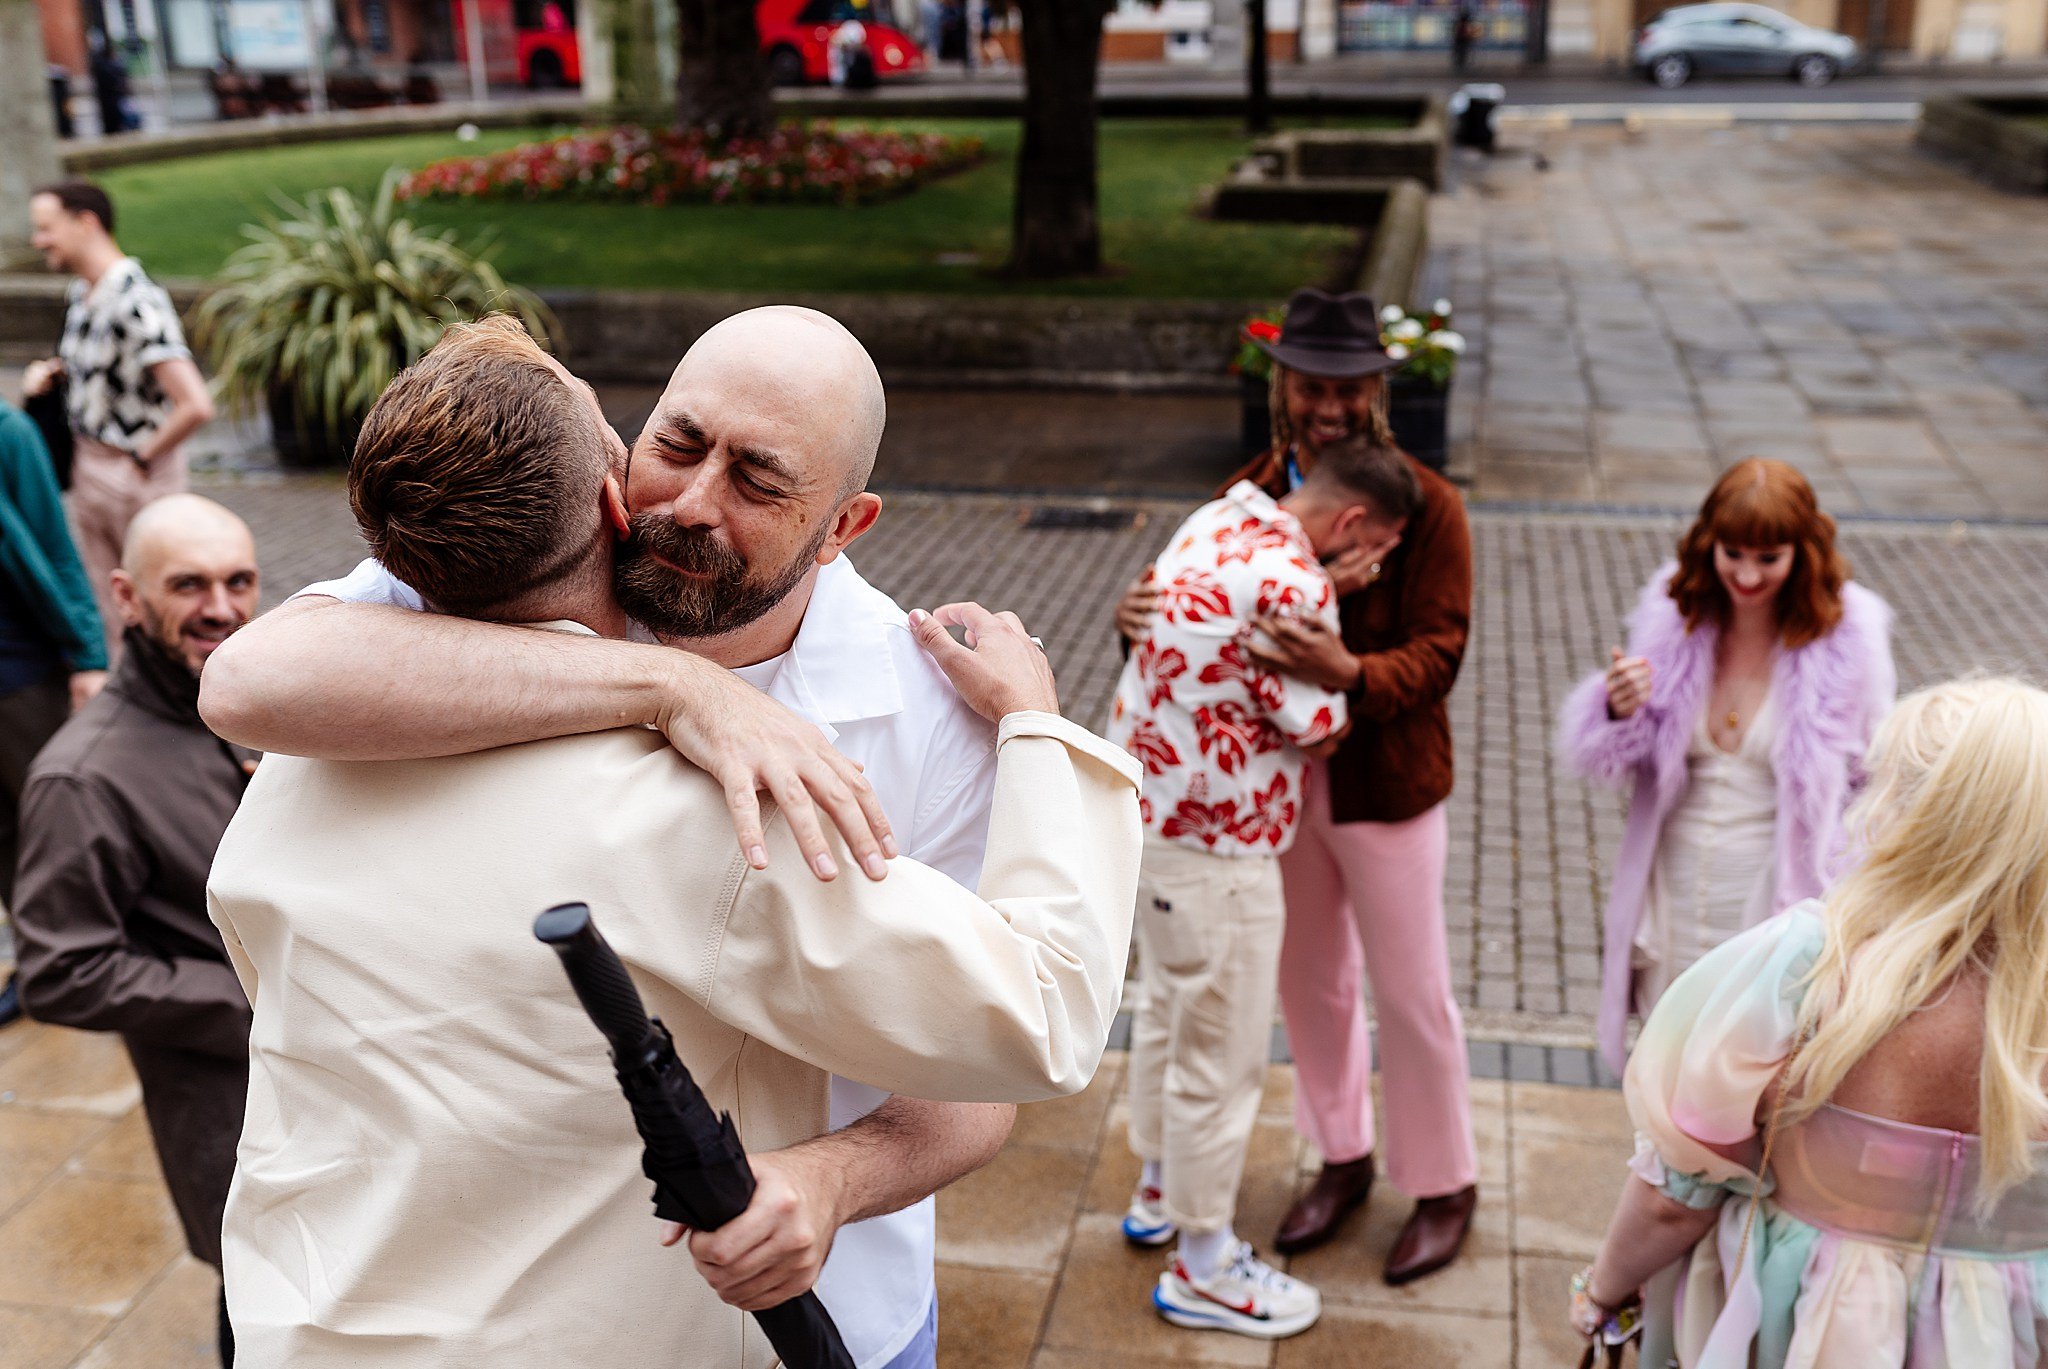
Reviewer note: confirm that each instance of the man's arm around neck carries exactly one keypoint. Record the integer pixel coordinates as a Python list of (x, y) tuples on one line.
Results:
[(364, 682)]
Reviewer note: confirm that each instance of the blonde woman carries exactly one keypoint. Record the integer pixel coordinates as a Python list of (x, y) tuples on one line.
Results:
[(1878, 1057)]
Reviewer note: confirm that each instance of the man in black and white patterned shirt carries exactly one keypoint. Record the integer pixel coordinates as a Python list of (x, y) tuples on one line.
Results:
[(135, 394)]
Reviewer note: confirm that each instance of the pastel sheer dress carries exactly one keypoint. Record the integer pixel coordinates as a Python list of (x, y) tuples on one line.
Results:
[(1867, 1251)]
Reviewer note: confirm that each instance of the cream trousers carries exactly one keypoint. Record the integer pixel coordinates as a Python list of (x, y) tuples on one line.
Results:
[(1208, 930)]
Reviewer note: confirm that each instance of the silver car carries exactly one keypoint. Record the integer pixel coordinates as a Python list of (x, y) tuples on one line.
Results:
[(1736, 39)]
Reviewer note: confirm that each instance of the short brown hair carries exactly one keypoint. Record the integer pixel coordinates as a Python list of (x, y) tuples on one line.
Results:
[(1761, 503), (80, 197), (1363, 467), (476, 472)]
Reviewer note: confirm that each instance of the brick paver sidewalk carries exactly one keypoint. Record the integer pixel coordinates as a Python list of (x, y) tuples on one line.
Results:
[(1654, 305)]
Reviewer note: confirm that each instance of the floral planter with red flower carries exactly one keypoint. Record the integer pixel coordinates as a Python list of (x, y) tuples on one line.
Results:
[(1418, 390)]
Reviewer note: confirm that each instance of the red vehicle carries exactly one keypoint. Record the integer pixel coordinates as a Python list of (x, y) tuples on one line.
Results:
[(533, 42), (797, 36)]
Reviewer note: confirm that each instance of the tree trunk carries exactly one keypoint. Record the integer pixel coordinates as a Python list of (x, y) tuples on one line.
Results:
[(722, 80), (28, 146), (1258, 106), (1054, 228)]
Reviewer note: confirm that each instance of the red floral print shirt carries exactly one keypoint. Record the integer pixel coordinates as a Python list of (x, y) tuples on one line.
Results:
[(1218, 734)]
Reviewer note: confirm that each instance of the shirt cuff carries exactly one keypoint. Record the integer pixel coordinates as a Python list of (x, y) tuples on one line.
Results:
[(1073, 736)]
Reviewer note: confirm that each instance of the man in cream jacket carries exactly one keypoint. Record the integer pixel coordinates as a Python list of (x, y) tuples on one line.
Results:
[(436, 1168)]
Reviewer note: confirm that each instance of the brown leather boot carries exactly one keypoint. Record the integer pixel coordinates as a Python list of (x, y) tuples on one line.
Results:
[(1337, 1192), (1433, 1236)]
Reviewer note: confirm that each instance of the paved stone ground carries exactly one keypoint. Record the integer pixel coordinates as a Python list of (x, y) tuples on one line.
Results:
[(1656, 305), (1031, 1269)]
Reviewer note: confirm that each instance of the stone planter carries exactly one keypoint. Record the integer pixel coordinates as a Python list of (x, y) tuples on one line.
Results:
[(1255, 429), (2003, 139), (1420, 414), (311, 447)]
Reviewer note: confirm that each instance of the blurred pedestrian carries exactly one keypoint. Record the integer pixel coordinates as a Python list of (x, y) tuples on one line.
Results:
[(1840, 1113), (60, 99), (119, 822), (991, 54), (53, 658), (1226, 747), (1365, 878), (110, 88), (133, 392), (1464, 34), (1755, 675)]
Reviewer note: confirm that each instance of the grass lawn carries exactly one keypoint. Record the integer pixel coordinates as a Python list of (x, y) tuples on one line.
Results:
[(183, 218)]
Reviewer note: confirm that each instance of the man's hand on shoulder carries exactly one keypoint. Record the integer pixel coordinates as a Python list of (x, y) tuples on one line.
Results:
[(751, 744), (776, 1248), (1000, 670)]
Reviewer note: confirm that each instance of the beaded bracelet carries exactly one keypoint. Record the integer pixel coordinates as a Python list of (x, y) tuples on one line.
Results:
[(1606, 1325)]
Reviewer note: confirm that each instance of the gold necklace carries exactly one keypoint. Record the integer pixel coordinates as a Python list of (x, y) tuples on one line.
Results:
[(1734, 720)]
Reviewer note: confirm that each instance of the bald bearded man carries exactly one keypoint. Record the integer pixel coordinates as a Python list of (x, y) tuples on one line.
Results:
[(120, 819), (743, 494)]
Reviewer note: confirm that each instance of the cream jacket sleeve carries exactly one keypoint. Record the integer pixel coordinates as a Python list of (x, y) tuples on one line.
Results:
[(917, 986)]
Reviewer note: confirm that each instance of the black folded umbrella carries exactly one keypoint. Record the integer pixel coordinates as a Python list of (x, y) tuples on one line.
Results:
[(700, 1172)]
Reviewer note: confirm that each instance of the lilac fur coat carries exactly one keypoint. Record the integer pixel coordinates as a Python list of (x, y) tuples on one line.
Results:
[(1832, 693)]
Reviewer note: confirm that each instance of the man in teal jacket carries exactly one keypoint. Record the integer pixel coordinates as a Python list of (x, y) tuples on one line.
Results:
[(53, 656)]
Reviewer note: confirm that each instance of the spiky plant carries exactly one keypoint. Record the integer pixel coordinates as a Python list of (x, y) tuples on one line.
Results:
[(327, 303)]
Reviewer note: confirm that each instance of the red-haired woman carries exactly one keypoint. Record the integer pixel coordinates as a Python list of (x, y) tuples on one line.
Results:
[(1755, 676)]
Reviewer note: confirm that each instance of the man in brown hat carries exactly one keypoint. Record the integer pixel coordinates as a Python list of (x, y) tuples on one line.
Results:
[(1364, 880)]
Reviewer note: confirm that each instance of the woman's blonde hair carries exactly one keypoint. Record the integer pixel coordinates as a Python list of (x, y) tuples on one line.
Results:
[(1954, 872)]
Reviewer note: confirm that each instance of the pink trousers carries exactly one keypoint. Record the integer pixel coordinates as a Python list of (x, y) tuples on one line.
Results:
[(1366, 900)]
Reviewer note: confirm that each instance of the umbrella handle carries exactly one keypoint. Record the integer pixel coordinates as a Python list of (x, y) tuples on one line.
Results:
[(600, 981)]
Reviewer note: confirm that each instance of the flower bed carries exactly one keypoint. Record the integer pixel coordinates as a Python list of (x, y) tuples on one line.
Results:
[(798, 163)]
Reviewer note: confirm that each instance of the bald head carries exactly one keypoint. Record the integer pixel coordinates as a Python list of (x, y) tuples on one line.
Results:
[(179, 522), (751, 473), (188, 575), (799, 361)]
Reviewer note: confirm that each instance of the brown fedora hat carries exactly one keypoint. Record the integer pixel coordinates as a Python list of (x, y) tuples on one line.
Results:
[(1336, 337)]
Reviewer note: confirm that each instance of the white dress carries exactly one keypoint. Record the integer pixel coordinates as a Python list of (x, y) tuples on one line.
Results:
[(1715, 873)]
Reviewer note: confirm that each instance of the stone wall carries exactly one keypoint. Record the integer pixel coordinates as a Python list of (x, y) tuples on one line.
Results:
[(634, 336), (1981, 132)]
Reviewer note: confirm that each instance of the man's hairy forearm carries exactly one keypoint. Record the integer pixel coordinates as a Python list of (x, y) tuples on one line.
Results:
[(363, 682), (905, 1151)]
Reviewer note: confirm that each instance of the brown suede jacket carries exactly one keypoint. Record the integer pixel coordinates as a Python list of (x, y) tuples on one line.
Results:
[(1408, 630)]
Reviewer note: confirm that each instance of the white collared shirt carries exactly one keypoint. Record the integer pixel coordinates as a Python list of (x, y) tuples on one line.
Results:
[(857, 673)]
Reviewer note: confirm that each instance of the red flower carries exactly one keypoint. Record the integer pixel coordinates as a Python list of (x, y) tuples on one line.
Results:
[(1252, 535), (1270, 816), (1262, 330), (1232, 663), (1319, 727), (1193, 596), (1194, 817), (1274, 596), (1150, 745), (1230, 730), (1161, 668)]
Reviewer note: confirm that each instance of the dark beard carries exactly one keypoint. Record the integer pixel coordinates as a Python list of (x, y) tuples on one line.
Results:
[(719, 598)]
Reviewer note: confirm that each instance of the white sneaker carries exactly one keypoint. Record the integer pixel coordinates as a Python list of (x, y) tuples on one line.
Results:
[(1147, 1223), (1248, 1296)]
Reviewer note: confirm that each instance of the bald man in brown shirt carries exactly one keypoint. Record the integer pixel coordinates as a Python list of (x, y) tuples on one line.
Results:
[(119, 822)]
